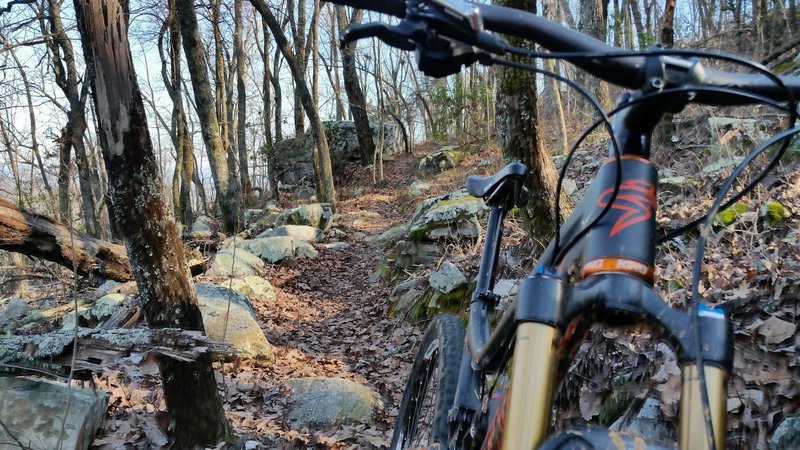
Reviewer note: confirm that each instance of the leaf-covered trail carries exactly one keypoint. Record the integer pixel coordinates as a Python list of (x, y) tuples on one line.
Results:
[(330, 320)]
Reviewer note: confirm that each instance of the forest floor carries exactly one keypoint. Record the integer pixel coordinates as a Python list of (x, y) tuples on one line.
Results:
[(330, 319)]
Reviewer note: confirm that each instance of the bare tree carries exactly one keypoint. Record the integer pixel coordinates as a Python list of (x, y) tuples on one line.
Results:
[(150, 235), (518, 125), (352, 86), (226, 181)]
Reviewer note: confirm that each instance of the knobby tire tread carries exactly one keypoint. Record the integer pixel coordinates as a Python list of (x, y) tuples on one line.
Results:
[(446, 330)]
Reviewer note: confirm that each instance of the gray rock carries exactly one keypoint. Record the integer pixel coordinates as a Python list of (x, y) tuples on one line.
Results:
[(335, 246), (305, 193), (673, 185), (419, 188), (297, 232), (409, 254), (104, 288), (238, 262), (127, 288), (252, 287), (305, 250), (507, 289), (390, 236), (215, 293), (405, 295), (447, 279), (315, 215), (453, 216), (203, 223), (272, 249), (33, 410), (786, 435), (13, 309), (569, 186), (252, 215), (440, 160), (320, 402), (240, 329), (231, 241)]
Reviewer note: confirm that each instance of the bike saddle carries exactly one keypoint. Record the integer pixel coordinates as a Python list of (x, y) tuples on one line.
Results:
[(504, 187)]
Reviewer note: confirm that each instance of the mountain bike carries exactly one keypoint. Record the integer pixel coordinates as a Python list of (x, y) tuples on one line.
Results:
[(599, 266)]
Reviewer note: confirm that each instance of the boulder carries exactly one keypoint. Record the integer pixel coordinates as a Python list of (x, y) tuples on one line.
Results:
[(293, 160), (419, 188), (32, 411), (343, 141), (271, 249), (238, 262), (453, 216), (252, 287), (203, 223), (252, 215), (447, 279), (305, 250), (409, 254), (297, 232), (440, 160), (787, 434), (317, 215), (243, 331), (320, 402), (335, 246)]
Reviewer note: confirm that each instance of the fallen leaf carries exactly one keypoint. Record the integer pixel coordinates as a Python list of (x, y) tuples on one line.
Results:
[(776, 330)]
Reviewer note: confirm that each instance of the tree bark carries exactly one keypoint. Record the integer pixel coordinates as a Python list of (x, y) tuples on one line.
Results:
[(668, 24), (352, 86), (518, 125), (227, 184), (322, 157), (593, 22), (36, 235), (150, 234), (241, 103)]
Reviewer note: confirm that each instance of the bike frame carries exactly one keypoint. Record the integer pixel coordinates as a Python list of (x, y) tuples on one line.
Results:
[(607, 276)]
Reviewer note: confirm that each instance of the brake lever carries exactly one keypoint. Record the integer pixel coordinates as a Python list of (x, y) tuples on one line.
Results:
[(400, 36)]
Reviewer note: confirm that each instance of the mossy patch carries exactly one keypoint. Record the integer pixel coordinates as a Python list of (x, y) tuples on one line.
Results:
[(617, 402), (728, 215), (775, 213)]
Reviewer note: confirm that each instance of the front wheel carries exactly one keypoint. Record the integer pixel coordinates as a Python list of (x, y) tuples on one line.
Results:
[(431, 389)]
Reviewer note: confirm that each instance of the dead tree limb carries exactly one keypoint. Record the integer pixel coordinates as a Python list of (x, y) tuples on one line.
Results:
[(100, 350), (42, 237)]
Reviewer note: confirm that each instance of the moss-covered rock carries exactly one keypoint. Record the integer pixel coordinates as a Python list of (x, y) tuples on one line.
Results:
[(729, 214), (452, 216), (775, 213), (440, 160)]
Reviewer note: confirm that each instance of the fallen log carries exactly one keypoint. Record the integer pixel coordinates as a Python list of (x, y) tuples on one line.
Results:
[(39, 236), (100, 350)]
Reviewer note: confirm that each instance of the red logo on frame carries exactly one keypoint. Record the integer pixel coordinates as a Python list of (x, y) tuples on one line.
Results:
[(636, 199)]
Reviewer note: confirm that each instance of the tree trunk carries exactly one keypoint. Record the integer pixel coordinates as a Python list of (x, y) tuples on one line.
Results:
[(352, 86), (668, 24), (322, 158), (151, 236), (518, 125), (64, 176), (241, 103), (66, 76), (41, 237), (227, 184), (276, 85), (593, 23)]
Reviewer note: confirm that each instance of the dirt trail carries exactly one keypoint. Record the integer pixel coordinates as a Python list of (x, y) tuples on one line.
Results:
[(330, 320)]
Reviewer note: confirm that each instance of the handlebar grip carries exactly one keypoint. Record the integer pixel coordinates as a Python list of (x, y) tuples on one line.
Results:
[(395, 8)]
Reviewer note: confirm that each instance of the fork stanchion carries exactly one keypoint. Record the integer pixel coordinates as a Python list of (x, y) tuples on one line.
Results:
[(527, 419), (693, 434)]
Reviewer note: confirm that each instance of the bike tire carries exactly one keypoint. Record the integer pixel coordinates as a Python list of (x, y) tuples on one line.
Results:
[(434, 376)]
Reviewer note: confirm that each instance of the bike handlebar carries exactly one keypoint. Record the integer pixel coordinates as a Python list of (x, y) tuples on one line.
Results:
[(625, 71)]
